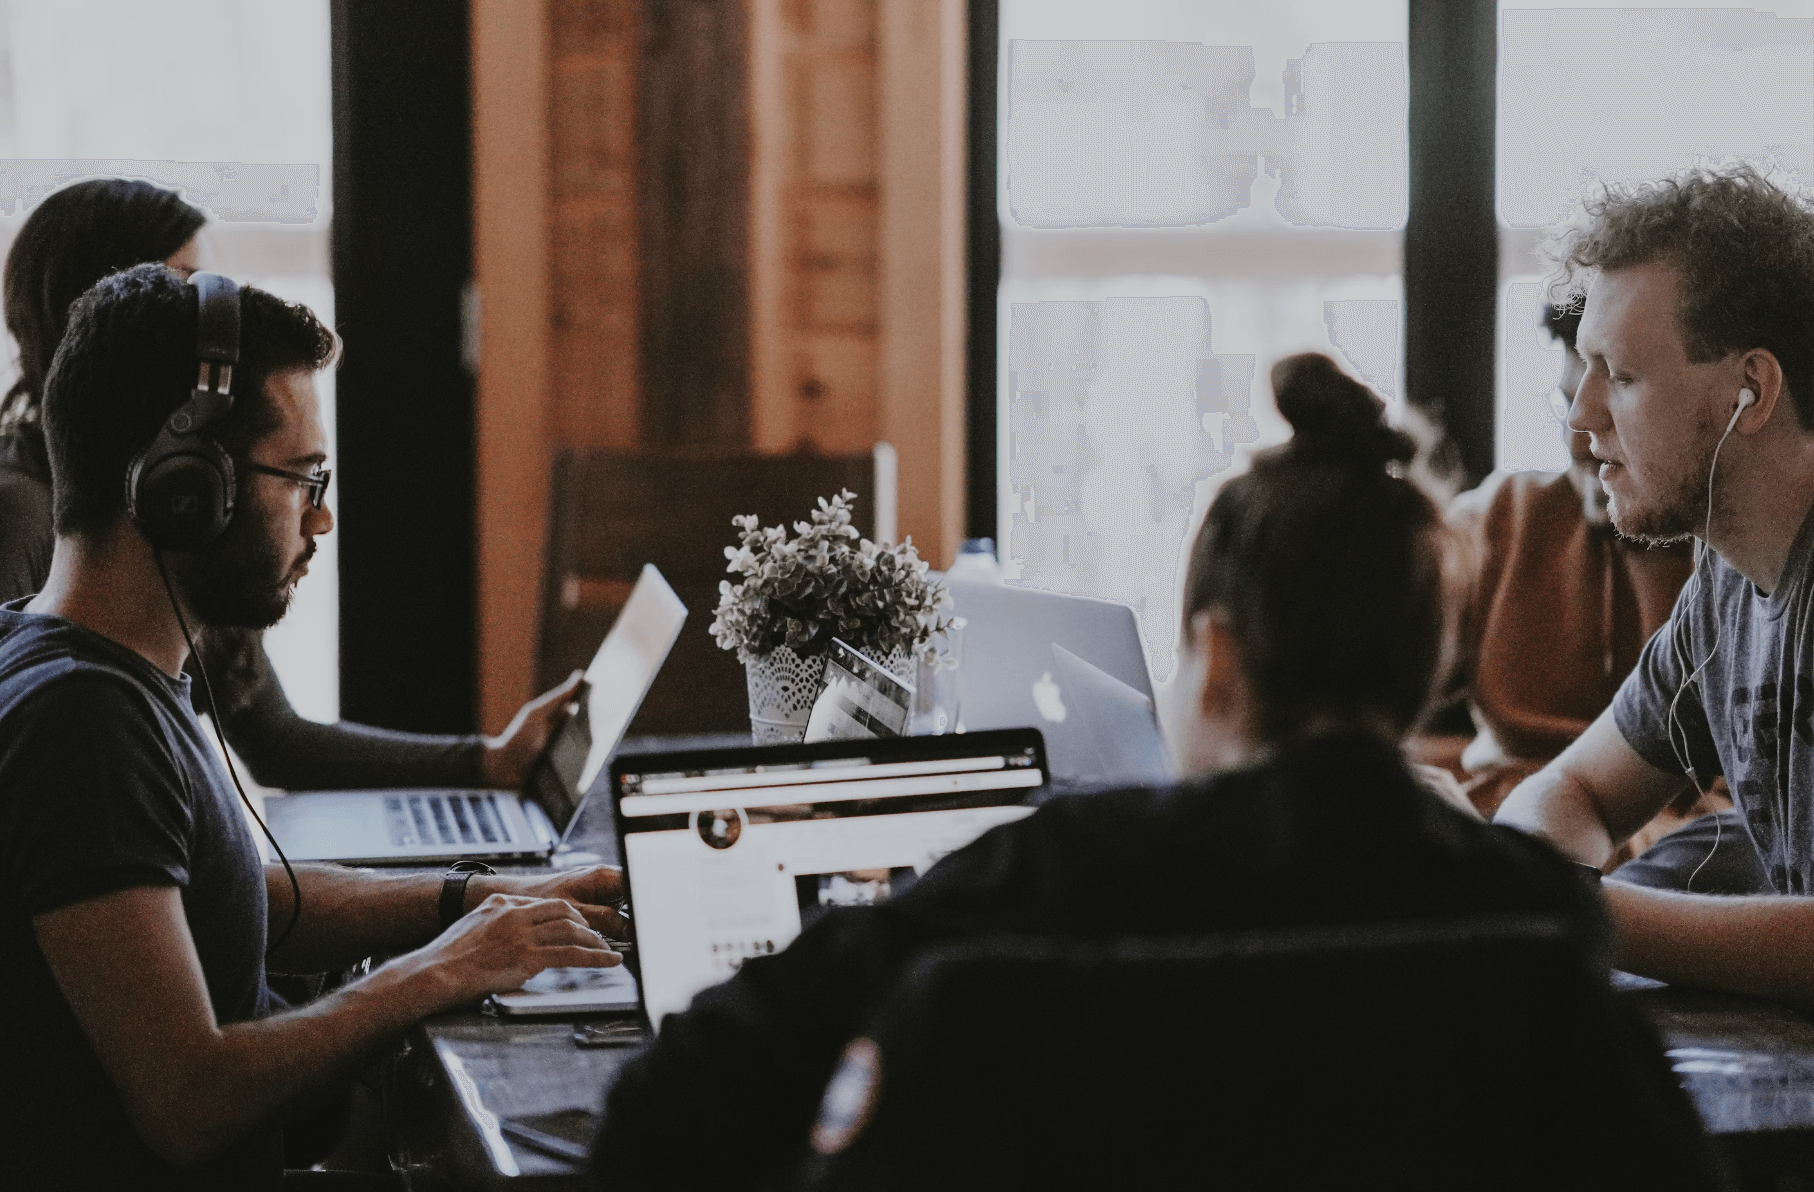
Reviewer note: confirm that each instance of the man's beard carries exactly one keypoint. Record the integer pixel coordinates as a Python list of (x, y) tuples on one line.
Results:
[(1676, 516), (238, 581)]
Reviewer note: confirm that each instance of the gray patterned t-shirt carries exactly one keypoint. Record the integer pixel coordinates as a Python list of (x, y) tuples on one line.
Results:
[(1750, 714)]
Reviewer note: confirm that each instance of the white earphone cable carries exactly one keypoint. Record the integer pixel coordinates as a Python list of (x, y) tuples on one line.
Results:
[(1672, 722)]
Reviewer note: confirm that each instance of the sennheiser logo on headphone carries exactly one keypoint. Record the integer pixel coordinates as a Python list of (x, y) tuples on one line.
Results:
[(181, 423)]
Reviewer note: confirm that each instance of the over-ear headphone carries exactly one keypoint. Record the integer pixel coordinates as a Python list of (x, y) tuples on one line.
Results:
[(179, 489)]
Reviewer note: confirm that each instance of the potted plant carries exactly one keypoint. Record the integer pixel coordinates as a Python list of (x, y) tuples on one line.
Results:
[(794, 595)]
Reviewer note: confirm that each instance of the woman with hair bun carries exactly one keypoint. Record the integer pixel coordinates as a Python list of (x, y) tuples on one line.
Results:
[(73, 239), (1314, 624)]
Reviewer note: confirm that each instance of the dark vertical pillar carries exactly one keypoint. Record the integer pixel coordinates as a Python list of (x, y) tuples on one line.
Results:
[(692, 179), (1452, 233), (983, 246), (402, 247)]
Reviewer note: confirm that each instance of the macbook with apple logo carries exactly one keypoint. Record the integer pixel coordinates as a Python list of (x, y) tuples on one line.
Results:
[(1072, 667)]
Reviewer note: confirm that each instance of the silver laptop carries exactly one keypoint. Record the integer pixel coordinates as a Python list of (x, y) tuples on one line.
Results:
[(1071, 666), (1114, 735), (431, 826)]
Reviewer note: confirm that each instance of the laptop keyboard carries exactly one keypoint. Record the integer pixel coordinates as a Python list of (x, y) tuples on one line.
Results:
[(445, 820)]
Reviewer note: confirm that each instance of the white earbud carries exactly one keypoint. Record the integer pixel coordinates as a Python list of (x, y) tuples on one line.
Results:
[(1746, 399)]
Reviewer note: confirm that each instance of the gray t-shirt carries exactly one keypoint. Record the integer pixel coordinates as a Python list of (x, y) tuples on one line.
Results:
[(1750, 714)]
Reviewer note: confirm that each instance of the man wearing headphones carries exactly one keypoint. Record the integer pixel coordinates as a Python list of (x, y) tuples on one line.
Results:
[(1698, 336), (138, 918)]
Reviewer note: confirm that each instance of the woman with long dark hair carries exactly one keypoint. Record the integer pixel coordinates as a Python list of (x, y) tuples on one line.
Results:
[(75, 237)]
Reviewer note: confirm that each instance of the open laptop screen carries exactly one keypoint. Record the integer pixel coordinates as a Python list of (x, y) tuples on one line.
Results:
[(732, 853), (619, 676)]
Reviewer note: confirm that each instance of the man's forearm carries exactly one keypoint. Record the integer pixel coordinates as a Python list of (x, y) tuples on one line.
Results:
[(1558, 808), (1761, 945), (349, 914), (254, 1069)]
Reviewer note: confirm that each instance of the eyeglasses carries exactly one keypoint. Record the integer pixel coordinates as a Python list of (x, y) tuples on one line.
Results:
[(316, 484), (1559, 402)]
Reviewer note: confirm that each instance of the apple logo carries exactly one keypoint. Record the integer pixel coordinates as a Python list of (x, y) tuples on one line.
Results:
[(1049, 699)]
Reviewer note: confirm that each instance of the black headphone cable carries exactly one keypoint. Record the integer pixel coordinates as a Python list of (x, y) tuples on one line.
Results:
[(232, 772)]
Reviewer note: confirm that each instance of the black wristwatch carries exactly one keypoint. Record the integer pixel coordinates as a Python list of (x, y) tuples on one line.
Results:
[(453, 889)]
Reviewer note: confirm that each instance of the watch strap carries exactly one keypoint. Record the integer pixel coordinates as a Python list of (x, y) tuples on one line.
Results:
[(453, 889)]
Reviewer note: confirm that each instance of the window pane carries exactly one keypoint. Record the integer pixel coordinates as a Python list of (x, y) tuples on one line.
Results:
[(148, 90), (1188, 191)]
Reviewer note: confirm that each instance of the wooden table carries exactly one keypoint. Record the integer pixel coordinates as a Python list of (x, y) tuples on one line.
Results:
[(467, 1085), (1748, 1066), (459, 1098)]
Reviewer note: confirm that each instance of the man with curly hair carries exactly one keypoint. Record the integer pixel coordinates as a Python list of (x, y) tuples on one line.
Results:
[(1698, 336)]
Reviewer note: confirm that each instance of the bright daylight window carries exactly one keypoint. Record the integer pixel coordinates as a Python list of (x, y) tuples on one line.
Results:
[(1187, 191), (94, 88), (1588, 92)]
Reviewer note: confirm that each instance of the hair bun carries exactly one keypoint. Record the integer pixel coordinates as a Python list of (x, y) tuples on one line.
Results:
[(1335, 418)]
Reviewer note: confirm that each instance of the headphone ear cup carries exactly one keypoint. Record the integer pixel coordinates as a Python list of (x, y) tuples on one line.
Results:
[(182, 500)]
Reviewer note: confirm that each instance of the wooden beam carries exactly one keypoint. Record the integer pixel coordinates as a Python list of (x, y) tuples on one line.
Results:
[(510, 255), (692, 179), (921, 379)]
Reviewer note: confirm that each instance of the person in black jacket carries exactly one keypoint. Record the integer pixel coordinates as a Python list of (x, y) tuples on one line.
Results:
[(1315, 608)]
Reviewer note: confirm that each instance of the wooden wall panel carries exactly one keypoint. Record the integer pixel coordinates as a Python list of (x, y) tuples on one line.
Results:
[(814, 202), (857, 250), (510, 268), (692, 182), (593, 265), (920, 378), (711, 223)]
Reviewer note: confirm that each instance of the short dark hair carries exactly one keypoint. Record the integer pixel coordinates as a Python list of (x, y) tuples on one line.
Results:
[(1562, 321), (128, 360), (1331, 570), (74, 238), (1744, 242)]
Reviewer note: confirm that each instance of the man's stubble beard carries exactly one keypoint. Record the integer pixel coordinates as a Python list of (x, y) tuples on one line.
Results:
[(238, 581), (1678, 515)]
